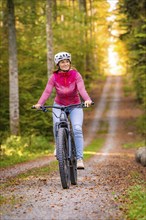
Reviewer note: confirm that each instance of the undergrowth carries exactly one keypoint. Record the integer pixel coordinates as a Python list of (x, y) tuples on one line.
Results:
[(134, 203), (129, 90), (18, 149), (134, 144)]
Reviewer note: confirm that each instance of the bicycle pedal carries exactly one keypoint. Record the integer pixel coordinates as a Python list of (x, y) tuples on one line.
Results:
[(80, 168)]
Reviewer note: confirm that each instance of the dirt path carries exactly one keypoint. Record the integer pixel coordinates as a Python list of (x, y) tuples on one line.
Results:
[(107, 174)]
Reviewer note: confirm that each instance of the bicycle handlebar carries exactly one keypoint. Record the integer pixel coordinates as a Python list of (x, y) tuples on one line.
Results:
[(44, 108)]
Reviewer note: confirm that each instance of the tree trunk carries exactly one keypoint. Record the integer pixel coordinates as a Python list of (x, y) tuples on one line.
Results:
[(54, 11), (82, 5), (49, 32), (13, 72), (83, 9)]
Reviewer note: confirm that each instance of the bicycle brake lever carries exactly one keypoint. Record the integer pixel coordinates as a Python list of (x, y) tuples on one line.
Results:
[(43, 109)]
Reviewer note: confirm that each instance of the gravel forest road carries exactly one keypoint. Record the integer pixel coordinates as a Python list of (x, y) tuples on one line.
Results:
[(106, 176)]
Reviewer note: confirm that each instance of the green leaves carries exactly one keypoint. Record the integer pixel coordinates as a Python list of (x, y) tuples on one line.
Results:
[(136, 41)]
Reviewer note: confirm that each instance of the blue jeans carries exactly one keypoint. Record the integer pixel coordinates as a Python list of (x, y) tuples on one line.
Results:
[(76, 118)]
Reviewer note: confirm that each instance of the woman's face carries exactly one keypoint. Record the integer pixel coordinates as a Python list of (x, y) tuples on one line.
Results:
[(64, 65)]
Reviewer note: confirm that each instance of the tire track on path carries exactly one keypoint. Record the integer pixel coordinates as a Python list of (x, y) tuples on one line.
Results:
[(112, 118), (99, 110)]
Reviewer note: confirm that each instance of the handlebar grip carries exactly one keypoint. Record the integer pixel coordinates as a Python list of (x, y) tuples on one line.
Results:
[(33, 107), (83, 104)]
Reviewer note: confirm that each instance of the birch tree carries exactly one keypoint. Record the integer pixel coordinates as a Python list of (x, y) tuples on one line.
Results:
[(13, 72)]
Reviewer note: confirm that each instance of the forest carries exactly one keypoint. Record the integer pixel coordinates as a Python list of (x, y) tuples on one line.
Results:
[(33, 31)]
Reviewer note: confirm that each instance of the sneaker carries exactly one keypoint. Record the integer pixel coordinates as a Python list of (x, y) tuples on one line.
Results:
[(80, 164)]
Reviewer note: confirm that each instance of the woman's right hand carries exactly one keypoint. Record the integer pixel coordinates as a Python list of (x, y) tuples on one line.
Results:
[(37, 106)]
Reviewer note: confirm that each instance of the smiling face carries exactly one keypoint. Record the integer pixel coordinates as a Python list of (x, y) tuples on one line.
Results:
[(64, 65)]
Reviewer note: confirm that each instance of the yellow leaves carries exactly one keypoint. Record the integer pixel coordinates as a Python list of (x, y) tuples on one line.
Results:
[(12, 145)]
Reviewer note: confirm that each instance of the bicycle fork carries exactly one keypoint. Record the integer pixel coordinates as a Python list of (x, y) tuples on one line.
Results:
[(66, 126)]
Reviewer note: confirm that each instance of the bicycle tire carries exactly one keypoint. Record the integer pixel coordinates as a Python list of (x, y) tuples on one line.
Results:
[(73, 163), (62, 156)]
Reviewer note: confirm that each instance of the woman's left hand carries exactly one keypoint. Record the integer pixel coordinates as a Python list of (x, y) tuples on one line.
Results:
[(87, 103)]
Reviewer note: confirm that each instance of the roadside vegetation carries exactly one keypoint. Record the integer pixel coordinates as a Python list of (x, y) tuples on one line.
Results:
[(134, 144), (134, 197), (134, 202), (129, 91), (17, 149)]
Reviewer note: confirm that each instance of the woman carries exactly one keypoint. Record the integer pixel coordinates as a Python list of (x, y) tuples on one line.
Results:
[(69, 86)]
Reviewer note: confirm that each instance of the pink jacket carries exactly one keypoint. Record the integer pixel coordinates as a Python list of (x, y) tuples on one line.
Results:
[(68, 86)]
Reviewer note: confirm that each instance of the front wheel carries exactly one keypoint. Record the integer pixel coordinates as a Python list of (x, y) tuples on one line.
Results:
[(62, 156), (73, 163)]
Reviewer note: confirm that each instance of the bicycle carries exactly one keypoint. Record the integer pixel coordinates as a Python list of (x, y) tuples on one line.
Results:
[(65, 145)]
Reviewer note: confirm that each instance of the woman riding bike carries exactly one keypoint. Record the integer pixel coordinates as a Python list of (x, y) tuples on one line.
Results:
[(69, 86)]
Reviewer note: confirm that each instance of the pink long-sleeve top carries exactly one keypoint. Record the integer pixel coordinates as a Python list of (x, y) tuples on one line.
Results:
[(69, 87)]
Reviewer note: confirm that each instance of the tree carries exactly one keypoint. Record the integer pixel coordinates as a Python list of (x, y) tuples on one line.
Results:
[(49, 36), (133, 24), (13, 72)]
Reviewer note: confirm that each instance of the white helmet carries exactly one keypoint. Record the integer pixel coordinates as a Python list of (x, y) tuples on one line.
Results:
[(62, 56)]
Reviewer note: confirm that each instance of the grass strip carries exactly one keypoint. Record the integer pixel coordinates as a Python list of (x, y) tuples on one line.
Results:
[(134, 203), (93, 148)]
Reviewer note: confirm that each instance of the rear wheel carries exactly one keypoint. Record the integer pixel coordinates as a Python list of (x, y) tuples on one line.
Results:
[(73, 163), (62, 156)]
